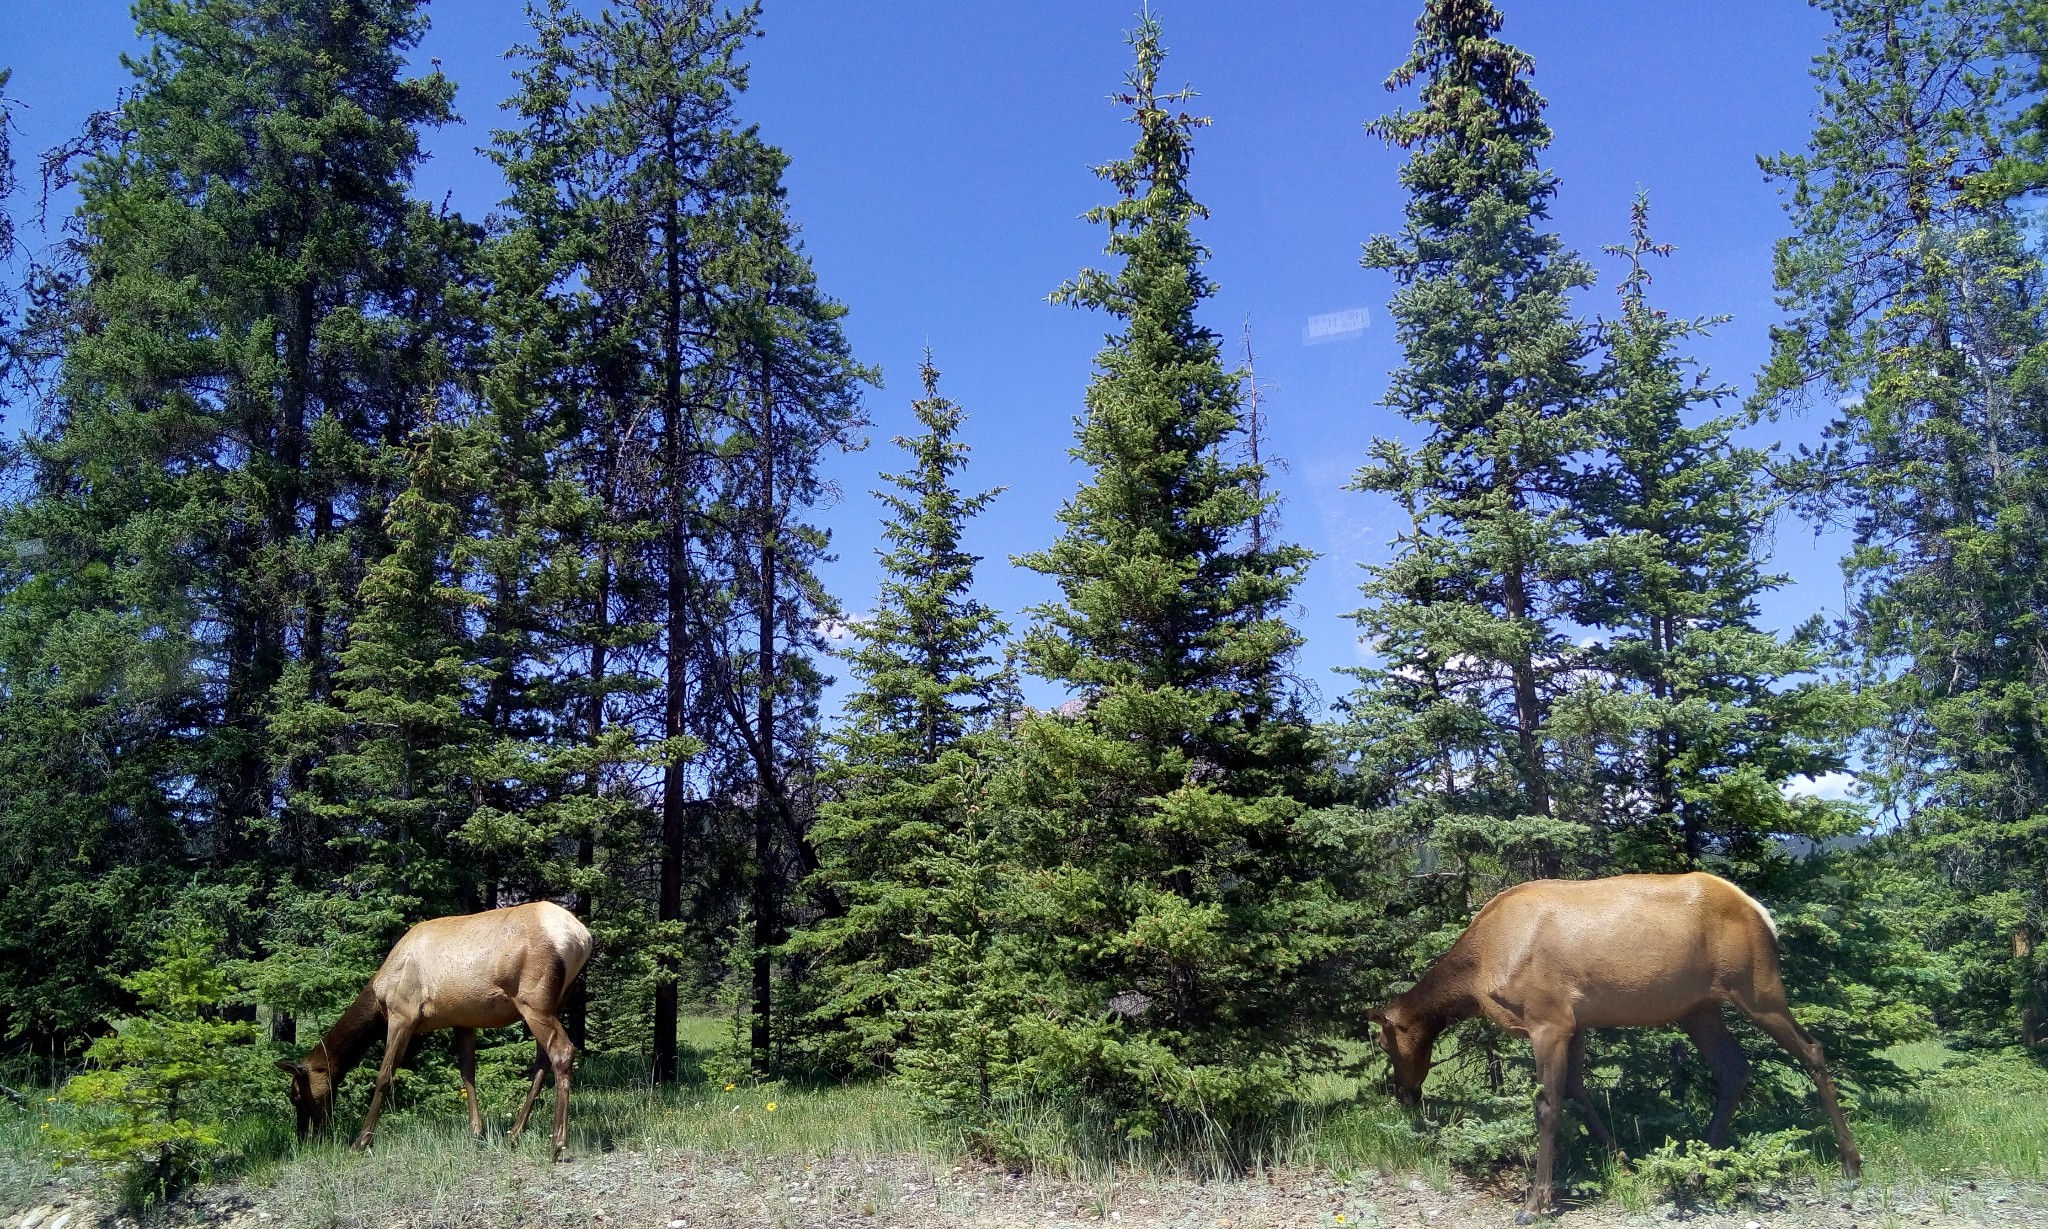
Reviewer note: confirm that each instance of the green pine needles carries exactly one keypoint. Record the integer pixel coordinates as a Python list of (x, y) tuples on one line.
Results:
[(1916, 317), (931, 690), (1457, 722), (1166, 911)]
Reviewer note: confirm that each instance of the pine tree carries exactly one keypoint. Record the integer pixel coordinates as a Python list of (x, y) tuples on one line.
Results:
[(2023, 168), (1456, 721), (160, 1081), (696, 374), (928, 681), (1697, 720), (1709, 715), (619, 157), (408, 739), (1915, 311), (1168, 899), (254, 311), (8, 184), (787, 392)]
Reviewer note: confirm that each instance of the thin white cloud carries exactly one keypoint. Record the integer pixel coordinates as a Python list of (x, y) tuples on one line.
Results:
[(1832, 786)]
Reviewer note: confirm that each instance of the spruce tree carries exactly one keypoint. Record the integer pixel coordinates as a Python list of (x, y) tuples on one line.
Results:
[(2023, 168), (1169, 901), (8, 184), (1915, 315), (408, 738), (928, 681), (1703, 716), (695, 374), (1455, 721), (1695, 720)]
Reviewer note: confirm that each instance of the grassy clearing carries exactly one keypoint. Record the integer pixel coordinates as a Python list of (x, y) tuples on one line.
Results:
[(1969, 1118)]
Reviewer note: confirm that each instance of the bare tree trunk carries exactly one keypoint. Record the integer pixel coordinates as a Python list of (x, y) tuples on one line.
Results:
[(576, 1006), (669, 908), (1529, 717), (771, 785)]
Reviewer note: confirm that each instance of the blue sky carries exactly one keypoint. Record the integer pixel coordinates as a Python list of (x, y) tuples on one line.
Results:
[(941, 156)]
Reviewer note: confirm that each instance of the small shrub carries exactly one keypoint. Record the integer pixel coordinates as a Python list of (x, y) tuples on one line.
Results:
[(142, 1105), (1683, 1172), (1501, 1136)]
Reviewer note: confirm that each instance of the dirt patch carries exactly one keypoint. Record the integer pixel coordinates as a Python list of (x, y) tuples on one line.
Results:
[(682, 1190)]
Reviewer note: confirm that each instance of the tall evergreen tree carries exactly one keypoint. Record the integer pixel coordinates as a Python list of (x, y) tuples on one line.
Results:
[(1916, 313), (1456, 720), (619, 156), (698, 375), (1696, 722), (928, 679), (1708, 715), (1170, 899), (408, 743), (788, 393), (255, 313), (2023, 167), (8, 184)]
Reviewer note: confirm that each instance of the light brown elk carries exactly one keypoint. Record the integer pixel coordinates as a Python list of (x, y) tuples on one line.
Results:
[(1550, 959), (481, 970)]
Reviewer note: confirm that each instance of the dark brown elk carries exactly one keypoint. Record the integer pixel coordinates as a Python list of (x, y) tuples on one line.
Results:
[(482, 970), (1550, 959)]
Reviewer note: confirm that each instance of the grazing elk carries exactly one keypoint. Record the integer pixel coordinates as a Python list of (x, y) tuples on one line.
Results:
[(482, 970), (1550, 959)]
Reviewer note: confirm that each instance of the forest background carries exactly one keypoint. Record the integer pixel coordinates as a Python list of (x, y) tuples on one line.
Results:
[(390, 537)]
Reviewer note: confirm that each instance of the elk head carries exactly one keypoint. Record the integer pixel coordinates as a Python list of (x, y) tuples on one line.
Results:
[(1407, 1044), (312, 1094)]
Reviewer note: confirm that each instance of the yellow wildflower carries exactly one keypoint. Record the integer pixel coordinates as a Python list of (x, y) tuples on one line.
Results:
[(728, 1087), (771, 1107)]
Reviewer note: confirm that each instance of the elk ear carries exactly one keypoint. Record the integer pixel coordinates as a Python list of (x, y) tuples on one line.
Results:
[(289, 1067), (1377, 1015)]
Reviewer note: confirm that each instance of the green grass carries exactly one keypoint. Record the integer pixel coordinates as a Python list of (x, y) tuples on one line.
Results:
[(1968, 1118)]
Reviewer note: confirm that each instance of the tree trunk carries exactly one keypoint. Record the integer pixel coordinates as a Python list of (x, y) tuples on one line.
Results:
[(764, 807), (670, 905), (576, 1007)]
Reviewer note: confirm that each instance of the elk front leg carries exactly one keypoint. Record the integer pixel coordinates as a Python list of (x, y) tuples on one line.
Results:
[(465, 1061), (397, 1035)]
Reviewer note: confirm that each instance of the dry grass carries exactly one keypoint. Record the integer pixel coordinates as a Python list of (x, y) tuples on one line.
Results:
[(1968, 1119)]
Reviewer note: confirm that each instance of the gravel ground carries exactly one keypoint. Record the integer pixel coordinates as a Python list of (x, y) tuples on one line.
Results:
[(656, 1190)]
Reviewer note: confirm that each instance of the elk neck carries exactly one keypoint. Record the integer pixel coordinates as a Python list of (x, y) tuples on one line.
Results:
[(359, 1028)]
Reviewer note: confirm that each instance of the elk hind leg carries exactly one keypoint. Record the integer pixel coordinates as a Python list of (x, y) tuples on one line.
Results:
[(1723, 1056), (540, 1073), (561, 1055), (1774, 1016), (537, 1005), (1553, 1061)]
